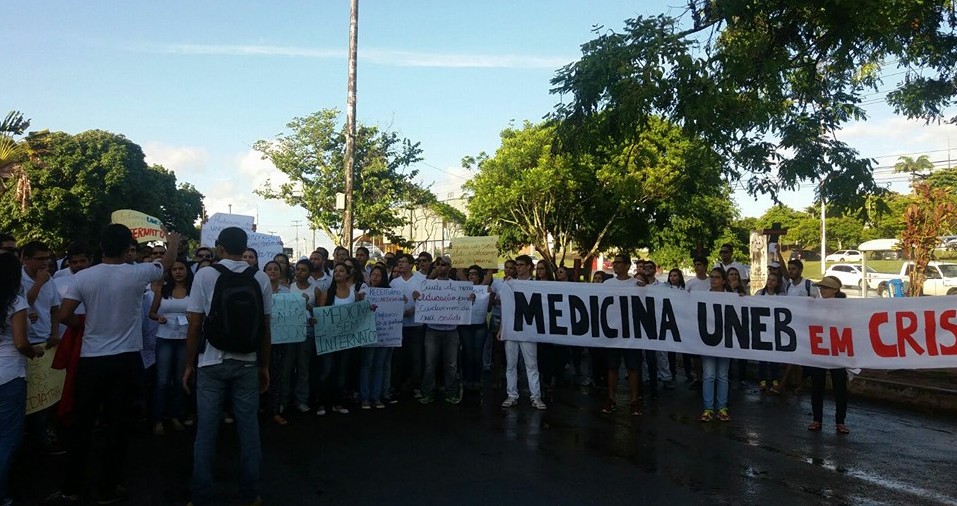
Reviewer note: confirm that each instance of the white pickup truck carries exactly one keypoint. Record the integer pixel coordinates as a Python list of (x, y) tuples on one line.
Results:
[(941, 279)]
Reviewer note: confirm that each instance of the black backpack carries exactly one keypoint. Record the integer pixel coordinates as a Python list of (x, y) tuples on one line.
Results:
[(235, 322)]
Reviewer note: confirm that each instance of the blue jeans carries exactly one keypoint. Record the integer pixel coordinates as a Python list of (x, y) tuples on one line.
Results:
[(13, 401), (715, 368), (241, 380), (170, 363), (373, 360)]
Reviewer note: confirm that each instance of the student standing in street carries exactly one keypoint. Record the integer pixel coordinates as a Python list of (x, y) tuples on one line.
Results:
[(239, 366), (110, 368)]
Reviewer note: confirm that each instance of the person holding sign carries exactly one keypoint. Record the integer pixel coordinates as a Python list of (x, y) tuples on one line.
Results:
[(372, 366), (332, 365), (829, 288), (474, 335), (529, 350), (441, 339), (295, 389), (169, 310), (714, 370), (277, 353), (15, 348), (631, 357)]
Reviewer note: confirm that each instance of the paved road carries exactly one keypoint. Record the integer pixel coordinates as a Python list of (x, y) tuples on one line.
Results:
[(478, 453)]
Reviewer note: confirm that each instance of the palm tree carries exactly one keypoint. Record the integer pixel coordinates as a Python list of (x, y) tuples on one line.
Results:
[(14, 153), (916, 168)]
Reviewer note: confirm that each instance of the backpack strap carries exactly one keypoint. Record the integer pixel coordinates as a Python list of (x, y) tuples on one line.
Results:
[(807, 286), (222, 268)]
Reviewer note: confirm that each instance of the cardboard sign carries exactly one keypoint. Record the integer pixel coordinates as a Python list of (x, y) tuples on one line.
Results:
[(480, 250), (267, 246), (288, 319), (444, 302), (218, 221), (344, 327), (44, 384), (390, 306), (145, 228)]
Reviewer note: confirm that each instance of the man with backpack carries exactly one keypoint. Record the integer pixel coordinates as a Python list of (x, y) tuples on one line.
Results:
[(797, 285), (228, 312)]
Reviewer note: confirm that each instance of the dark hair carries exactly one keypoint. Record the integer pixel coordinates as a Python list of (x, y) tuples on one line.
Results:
[(385, 276), (331, 291), (337, 250), (358, 276), (305, 262), (362, 248), (77, 248), (602, 274), (798, 263), (32, 248), (699, 260), (233, 240), (625, 257), (10, 278), (169, 283), (4, 237), (201, 248), (781, 288), (115, 240), (407, 257), (254, 252), (524, 258), (726, 245), (322, 251), (272, 262), (549, 275), (681, 278), (724, 277), (740, 288), (481, 271), (651, 263), (426, 255), (509, 261)]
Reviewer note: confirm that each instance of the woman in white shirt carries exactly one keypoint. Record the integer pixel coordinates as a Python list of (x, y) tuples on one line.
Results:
[(169, 309), (277, 352), (295, 388), (14, 350)]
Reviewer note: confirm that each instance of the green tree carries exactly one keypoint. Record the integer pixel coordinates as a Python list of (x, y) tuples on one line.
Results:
[(662, 192), (312, 154), (766, 83), (81, 179), (14, 153)]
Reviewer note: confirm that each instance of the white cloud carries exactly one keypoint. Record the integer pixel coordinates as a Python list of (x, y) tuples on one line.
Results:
[(257, 171), (182, 160), (887, 139), (390, 57)]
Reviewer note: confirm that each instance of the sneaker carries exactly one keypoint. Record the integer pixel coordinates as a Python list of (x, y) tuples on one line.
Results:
[(119, 495), (453, 399), (762, 385), (189, 421), (776, 387), (707, 416), (391, 400), (608, 407), (378, 405), (723, 415), (636, 409), (228, 418), (176, 424), (538, 404), (339, 409), (58, 498), (365, 405), (304, 408), (321, 411), (510, 402), (416, 394), (426, 399), (158, 429)]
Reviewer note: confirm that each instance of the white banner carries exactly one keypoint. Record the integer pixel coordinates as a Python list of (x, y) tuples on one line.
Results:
[(900, 333), (444, 302), (389, 308)]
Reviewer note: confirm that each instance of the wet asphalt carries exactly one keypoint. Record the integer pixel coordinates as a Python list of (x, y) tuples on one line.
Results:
[(479, 453)]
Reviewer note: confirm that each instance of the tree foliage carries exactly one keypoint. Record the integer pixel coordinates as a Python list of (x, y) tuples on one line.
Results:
[(661, 191), (932, 212), (15, 152), (81, 179), (767, 83), (312, 154)]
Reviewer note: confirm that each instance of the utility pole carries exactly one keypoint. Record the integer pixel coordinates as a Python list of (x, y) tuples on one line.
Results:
[(350, 123)]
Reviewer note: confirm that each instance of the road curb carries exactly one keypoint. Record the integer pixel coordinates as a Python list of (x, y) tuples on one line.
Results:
[(919, 397)]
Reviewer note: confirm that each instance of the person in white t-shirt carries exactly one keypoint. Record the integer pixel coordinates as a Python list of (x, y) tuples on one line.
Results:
[(241, 376), (797, 285), (700, 281), (630, 356), (528, 349), (110, 368), (726, 261), (14, 351), (409, 363)]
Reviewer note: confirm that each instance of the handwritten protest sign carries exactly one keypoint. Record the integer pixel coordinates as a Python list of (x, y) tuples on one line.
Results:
[(44, 384), (444, 302), (343, 327), (480, 305), (390, 304), (288, 318), (145, 228), (481, 251), (218, 221), (267, 246)]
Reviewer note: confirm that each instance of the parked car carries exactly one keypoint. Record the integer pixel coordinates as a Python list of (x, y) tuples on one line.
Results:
[(804, 255), (941, 279), (886, 254), (844, 255), (850, 275)]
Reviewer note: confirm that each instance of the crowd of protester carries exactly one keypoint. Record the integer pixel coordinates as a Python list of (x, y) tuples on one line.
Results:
[(104, 305)]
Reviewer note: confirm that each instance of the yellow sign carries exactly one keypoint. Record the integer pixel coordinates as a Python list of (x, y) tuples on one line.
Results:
[(145, 228), (44, 384), (481, 251)]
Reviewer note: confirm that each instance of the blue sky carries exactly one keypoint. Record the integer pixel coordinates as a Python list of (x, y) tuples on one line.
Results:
[(197, 83)]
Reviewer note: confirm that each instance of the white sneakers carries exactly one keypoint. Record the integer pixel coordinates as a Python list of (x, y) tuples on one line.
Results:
[(538, 404), (511, 402)]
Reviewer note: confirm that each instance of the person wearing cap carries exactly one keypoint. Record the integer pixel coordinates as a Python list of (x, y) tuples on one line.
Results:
[(830, 288), (440, 340)]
